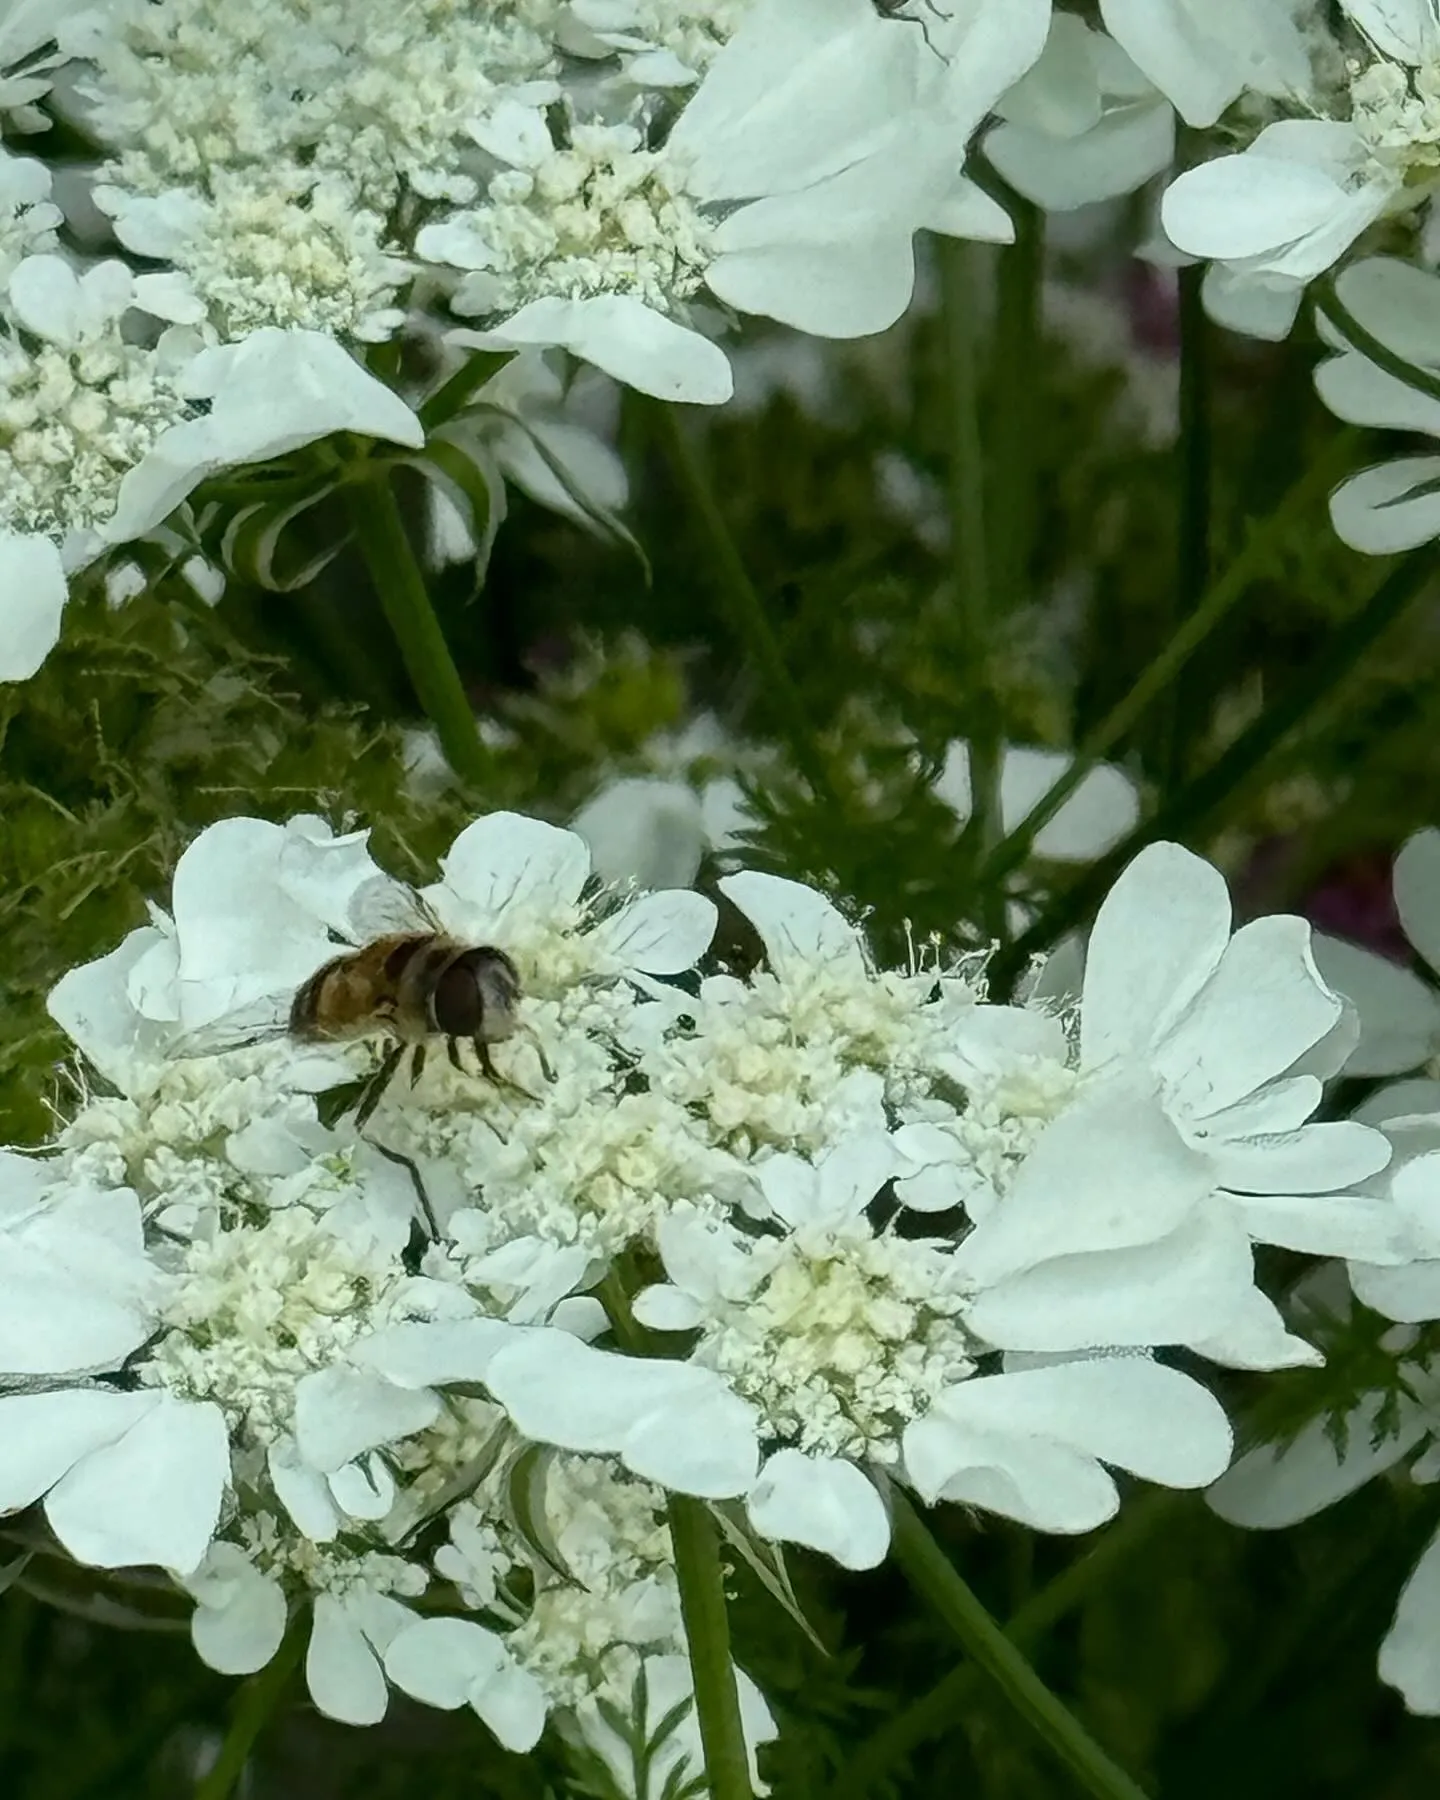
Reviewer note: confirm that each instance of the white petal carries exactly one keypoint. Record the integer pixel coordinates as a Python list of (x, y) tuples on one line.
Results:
[(1254, 1337), (1181, 1288), (1417, 894), (364, 1489), (660, 934), (1158, 937), (238, 1624), (1277, 1486), (340, 1413), (625, 338), (1121, 153), (669, 1422), (451, 1662), (270, 393), (1347, 1225), (1313, 1160), (43, 1435), (824, 1502), (797, 926), (341, 1670), (1125, 1410), (642, 829), (1399, 1013), (506, 860), (1409, 1294), (665, 1308), (92, 1004), (303, 1491), (151, 1497), (1183, 61), (1259, 202), (418, 1355), (1361, 393), (1261, 1010), (32, 579), (1387, 508), (1109, 1173), (1396, 302), (1405, 29), (1410, 1654), (1040, 1483)]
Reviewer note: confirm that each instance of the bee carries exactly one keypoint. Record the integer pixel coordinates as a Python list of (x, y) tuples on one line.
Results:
[(418, 986)]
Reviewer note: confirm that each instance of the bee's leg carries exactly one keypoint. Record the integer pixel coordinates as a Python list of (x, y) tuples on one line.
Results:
[(417, 1064), (452, 1046), (414, 1174), (492, 1074), (539, 1049), (379, 1081)]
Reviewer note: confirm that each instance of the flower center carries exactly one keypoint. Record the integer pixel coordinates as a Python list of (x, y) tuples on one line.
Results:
[(1396, 113)]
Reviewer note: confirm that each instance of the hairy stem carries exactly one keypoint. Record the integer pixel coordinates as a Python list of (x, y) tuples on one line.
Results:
[(380, 533)]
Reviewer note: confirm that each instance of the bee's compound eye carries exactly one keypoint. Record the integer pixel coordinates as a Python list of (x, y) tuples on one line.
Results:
[(476, 996), (457, 1004)]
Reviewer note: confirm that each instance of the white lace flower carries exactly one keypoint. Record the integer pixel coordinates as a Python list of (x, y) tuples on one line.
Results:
[(791, 185), (1294, 201), (1186, 1076), (1203, 54), (661, 43), (281, 157)]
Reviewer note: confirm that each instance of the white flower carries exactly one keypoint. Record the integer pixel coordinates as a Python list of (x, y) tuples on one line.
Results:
[(99, 435), (1293, 202), (661, 43), (791, 185), (26, 28), (1171, 1135), (1391, 506), (454, 1662), (279, 158), (837, 1335), (1083, 124)]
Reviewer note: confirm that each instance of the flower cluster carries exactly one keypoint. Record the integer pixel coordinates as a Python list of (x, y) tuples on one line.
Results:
[(282, 1311)]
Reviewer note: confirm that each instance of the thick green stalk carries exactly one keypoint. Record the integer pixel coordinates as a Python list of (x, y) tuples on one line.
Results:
[(380, 533), (1196, 804), (747, 611), (1223, 596), (935, 1578), (257, 1702), (971, 557), (1013, 492), (937, 1711), (701, 1577)]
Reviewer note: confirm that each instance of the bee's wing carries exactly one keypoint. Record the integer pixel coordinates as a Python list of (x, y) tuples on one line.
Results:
[(254, 1023), (382, 905)]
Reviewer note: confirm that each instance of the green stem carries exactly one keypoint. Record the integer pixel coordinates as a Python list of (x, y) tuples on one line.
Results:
[(253, 1710), (1221, 599), (1328, 301), (747, 611), (701, 1577), (453, 395), (380, 533), (936, 1712), (1240, 765), (1192, 470), (935, 1578), (1017, 426), (960, 287)]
